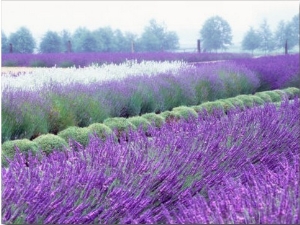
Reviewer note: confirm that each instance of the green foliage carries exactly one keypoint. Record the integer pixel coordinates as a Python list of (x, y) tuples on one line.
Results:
[(273, 95), (100, 129), (264, 96), (87, 110), (257, 100), (50, 43), (106, 41), (135, 104), (139, 121), (4, 43), (60, 116), (185, 112), (170, 116), (236, 102), (282, 94), (227, 105), (211, 106), (8, 149), (155, 119), (247, 100), (38, 63), (10, 63), (267, 42), (155, 37), (65, 36), (234, 84), (251, 40), (79, 134), (294, 28), (84, 40), (66, 64), (119, 125), (22, 41), (204, 91), (292, 92), (216, 34), (49, 142), (27, 123)]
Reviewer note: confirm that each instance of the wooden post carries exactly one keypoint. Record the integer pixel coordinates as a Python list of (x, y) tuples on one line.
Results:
[(10, 48), (286, 47), (69, 47), (199, 45)]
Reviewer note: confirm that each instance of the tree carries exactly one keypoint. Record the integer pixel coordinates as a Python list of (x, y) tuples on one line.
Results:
[(84, 41), (156, 37), (22, 41), (267, 43), (251, 40), (283, 34), (105, 39), (51, 42), (121, 44), (65, 36), (4, 43), (294, 26), (130, 42), (216, 34)]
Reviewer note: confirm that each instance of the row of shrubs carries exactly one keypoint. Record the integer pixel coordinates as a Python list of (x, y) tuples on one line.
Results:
[(56, 106), (118, 126)]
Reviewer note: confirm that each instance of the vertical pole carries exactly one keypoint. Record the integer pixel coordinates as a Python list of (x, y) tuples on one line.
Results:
[(69, 47), (286, 47), (10, 48), (199, 45)]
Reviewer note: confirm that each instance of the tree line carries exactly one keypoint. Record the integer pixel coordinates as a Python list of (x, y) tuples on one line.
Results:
[(214, 35)]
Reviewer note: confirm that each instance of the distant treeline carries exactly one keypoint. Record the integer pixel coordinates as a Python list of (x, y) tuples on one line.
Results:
[(215, 34)]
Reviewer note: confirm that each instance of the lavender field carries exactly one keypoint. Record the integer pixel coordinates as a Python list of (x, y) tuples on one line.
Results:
[(87, 59), (154, 140)]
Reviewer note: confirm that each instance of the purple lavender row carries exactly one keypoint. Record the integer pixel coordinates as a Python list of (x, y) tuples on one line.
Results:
[(86, 59), (239, 168), (29, 113), (271, 72)]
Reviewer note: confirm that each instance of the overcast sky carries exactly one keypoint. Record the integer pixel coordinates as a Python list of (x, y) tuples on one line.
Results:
[(184, 17)]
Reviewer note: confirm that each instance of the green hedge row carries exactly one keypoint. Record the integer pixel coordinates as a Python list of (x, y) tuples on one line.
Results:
[(117, 126)]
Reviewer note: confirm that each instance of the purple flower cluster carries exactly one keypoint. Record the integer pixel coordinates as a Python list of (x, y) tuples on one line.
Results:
[(86, 59), (238, 168), (275, 71)]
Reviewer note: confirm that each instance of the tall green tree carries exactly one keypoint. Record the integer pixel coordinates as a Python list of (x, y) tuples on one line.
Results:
[(251, 40), (216, 34), (22, 41), (294, 26), (51, 42), (4, 43), (105, 39), (156, 37), (84, 40), (65, 36), (267, 43), (130, 42)]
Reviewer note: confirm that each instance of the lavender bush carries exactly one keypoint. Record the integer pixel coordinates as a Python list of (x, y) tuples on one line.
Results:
[(58, 106), (86, 59), (275, 71), (238, 168)]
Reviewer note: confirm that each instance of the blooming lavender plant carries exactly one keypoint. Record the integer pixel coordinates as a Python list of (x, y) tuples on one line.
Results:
[(275, 72), (86, 59), (242, 167), (81, 104)]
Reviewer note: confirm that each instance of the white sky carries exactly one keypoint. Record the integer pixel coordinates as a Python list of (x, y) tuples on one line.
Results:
[(184, 17)]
